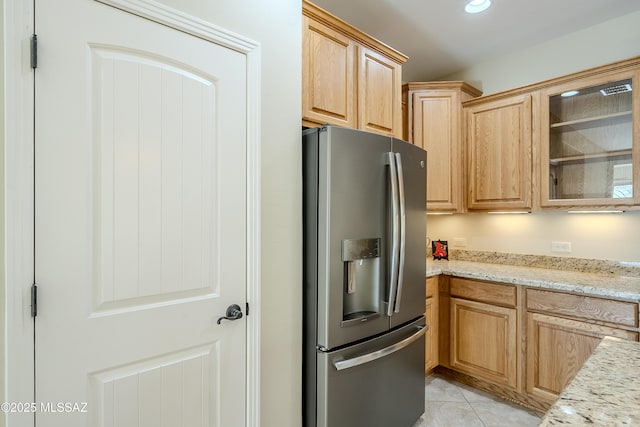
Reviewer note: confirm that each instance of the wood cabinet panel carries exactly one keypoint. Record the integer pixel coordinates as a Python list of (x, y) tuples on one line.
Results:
[(432, 286), (434, 122), (483, 341), (492, 293), (442, 158), (431, 345), (431, 315), (499, 137), (328, 75), (444, 320), (349, 79), (379, 93), (583, 307), (556, 350)]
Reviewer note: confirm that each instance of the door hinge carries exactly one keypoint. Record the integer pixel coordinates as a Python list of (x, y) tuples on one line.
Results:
[(34, 51), (247, 310), (34, 300)]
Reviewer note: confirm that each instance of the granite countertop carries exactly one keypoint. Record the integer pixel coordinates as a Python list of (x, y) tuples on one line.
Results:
[(592, 283), (605, 392)]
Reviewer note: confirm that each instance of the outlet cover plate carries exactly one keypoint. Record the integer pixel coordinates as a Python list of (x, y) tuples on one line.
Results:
[(561, 247)]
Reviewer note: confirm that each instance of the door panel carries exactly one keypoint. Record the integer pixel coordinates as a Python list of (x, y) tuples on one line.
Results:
[(351, 207), (413, 291), (483, 341), (140, 245), (151, 180)]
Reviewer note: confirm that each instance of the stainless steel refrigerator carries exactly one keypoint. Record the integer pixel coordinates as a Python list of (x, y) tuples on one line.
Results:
[(364, 279)]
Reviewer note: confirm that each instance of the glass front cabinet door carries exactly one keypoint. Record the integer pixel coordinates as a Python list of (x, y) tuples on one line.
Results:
[(589, 142)]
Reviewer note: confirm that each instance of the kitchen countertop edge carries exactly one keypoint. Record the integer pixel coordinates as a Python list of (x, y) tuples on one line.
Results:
[(605, 391), (591, 284)]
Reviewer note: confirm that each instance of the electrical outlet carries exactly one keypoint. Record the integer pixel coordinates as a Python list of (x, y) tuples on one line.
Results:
[(459, 242), (564, 247)]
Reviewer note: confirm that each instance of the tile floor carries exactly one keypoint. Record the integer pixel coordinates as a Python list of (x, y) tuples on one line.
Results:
[(451, 404)]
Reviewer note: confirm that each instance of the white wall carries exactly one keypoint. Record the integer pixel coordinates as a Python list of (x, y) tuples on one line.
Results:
[(2, 258), (593, 236), (610, 41), (277, 26)]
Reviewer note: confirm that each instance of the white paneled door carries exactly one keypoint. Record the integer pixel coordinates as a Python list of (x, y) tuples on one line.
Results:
[(141, 222)]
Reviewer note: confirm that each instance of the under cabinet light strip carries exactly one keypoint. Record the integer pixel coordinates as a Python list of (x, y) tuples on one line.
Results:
[(594, 211), (508, 212)]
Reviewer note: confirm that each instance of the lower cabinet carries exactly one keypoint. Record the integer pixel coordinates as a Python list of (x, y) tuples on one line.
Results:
[(431, 314), (483, 330), (563, 330), (522, 343), (483, 341), (557, 348)]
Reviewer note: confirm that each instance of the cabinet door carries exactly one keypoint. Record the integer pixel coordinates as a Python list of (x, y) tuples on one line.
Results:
[(328, 75), (379, 93), (499, 144), (431, 315), (557, 349), (483, 341), (436, 128), (589, 148)]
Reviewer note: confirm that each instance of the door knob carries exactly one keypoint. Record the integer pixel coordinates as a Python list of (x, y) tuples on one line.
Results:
[(234, 312)]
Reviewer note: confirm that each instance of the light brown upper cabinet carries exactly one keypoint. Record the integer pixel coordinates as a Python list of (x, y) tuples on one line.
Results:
[(329, 85), (434, 122), (348, 78), (589, 147), (499, 150)]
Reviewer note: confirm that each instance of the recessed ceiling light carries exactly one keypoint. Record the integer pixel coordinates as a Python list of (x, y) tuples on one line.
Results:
[(569, 93), (477, 6)]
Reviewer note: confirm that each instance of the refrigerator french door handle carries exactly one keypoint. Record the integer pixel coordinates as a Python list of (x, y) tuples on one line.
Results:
[(403, 231), (395, 233), (379, 354)]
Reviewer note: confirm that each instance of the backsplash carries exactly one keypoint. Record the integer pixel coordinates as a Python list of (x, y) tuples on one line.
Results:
[(618, 268)]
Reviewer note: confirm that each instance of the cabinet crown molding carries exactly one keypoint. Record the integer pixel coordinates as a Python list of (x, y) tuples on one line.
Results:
[(614, 67), (318, 14), (444, 85)]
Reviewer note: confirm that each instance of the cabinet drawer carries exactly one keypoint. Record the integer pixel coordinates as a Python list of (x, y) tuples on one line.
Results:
[(432, 286), (583, 307), (493, 293)]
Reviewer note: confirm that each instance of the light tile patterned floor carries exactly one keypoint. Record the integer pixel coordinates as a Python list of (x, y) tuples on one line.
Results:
[(451, 404)]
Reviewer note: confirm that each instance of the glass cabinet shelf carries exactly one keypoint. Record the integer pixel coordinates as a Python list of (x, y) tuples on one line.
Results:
[(590, 122), (595, 156)]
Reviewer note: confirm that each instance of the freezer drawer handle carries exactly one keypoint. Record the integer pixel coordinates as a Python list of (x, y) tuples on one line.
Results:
[(370, 357)]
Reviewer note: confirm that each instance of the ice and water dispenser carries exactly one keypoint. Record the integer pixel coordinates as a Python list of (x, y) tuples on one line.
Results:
[(362, 280)]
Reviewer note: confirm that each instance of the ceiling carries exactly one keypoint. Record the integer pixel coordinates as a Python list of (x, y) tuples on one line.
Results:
[(440, 38)]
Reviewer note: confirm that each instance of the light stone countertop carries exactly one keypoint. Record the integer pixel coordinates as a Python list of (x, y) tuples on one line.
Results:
[(600, 285), (605, 392)]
